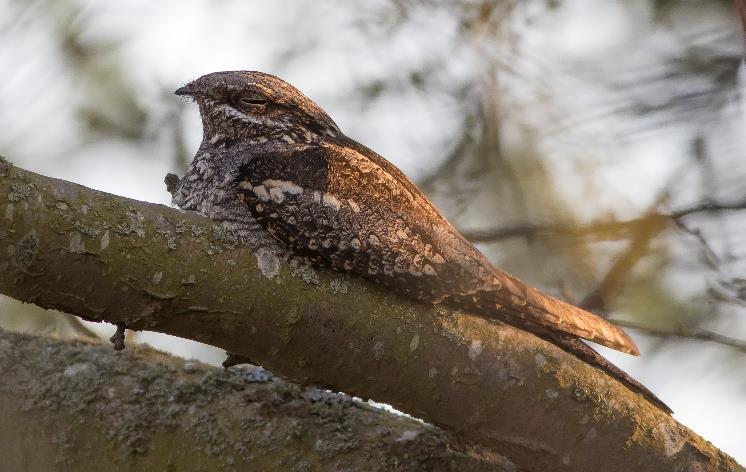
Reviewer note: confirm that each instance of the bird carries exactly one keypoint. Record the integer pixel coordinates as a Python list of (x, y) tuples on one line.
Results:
[(275, 169)]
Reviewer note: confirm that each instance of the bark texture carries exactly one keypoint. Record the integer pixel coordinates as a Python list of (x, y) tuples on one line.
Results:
[(81, 406), (113, 259)]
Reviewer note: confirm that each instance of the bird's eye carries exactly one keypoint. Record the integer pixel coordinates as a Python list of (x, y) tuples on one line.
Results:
[(251, 101)]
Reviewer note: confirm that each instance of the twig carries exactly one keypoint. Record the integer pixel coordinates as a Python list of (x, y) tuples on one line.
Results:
[(700, 334), (741, 9), (79, 328), (612, 283), (709, 207), (607, 230), (711, 257), (118, 337)]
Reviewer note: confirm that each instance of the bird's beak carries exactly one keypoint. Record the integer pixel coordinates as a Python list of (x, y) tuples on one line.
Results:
[(182, 91)]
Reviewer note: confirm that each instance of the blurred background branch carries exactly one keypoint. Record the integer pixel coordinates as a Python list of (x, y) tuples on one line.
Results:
[(603, 230), (682, 332)]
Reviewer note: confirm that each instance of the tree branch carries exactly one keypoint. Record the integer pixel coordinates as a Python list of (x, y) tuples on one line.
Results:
[(613, 282), (90, 408), (605, 229), (741, 9), (109, 258), (699, 334)]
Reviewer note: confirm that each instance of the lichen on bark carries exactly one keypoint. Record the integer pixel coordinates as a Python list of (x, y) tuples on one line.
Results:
[(90, 408)]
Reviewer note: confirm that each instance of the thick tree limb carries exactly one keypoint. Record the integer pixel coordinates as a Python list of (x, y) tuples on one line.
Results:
[(90, 408), (110, 258)]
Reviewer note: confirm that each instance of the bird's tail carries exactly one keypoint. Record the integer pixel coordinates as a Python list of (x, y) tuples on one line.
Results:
[(513, 302), (517, 303)]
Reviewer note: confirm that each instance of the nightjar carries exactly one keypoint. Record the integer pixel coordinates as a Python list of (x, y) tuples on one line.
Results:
[(275, 169)]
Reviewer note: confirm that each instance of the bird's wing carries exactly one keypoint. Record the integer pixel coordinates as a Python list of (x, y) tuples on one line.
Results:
[(343, 206), (350, 215)]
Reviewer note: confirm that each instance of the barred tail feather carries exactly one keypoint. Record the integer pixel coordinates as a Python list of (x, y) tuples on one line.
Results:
[(526, 304)]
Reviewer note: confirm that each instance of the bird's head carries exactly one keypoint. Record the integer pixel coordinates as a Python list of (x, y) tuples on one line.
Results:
[(249, 105)]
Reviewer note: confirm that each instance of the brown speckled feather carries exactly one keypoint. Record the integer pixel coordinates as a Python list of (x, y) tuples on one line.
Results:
[(341, 205), (272, 160)]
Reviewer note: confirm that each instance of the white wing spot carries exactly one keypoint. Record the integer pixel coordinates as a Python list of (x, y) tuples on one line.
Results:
[(245, 185), (284, 186), (428, 269), (354, 206), (331, 201), (438, 259), (276, 194), (401, 234), (373, 239), (261, 192)]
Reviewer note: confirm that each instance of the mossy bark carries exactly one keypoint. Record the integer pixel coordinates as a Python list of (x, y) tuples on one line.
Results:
[(113, 259), (73, 405)]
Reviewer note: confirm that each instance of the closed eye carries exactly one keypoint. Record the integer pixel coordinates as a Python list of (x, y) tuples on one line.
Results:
[(252, 101)]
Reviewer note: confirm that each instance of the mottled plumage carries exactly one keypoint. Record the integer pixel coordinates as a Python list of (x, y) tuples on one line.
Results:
[(277, 170)]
